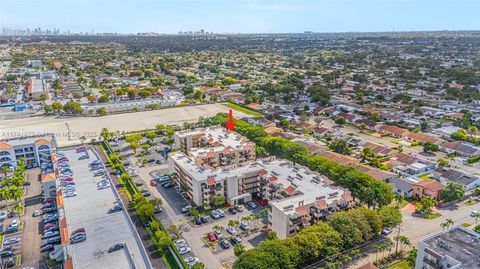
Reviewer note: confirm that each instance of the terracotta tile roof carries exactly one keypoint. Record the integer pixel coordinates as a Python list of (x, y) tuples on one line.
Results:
[(48, 177), (429, 184), (393, 129), (42, 141), (290, 189), (211, 181), (5, 145), (339, 158), (226, 151), (59, 199), (347, 197), (68, 263), (301, 210), (210, 154), (322, 204), (272, 178)]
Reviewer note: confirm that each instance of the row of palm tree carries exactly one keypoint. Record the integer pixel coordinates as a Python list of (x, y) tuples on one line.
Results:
[(11, 187)]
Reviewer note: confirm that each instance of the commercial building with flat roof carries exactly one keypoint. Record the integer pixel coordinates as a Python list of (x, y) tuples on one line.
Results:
[(455, 248), (34, 149), (89, 210)]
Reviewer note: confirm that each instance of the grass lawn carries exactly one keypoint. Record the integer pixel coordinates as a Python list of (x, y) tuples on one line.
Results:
[(466, 225), (400, 265), (433, 216), (403, 203), (424, 177), (244, 110), (471, 202)]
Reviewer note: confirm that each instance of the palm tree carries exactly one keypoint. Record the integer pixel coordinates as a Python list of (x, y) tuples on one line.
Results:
[(16, 193), (476, 215), (19, 207), (445, 225), (5, 193), (233, 223), (218, 227), (5, 170), (255, 217), (156, 201), (405, 242), (105, 134)]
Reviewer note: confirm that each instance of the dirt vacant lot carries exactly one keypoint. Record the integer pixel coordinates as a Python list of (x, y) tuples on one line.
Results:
[(69, 130)]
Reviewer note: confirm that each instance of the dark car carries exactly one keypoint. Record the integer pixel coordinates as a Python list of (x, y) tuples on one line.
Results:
[(79, 230), (46, 248), (203, 219), (26, 183), (116, 247), (236, 240), (6, 254), (232, 210), (10, 230), (225, 244), (198, 221)]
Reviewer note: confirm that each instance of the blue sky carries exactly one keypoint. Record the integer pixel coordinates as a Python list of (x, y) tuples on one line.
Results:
[(246, 16)]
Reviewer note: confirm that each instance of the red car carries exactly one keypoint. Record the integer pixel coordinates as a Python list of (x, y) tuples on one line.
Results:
[(153, 183), (212, 237), (49, 200)]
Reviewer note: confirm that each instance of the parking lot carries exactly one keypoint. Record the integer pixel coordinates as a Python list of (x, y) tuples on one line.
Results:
[(31, 255)]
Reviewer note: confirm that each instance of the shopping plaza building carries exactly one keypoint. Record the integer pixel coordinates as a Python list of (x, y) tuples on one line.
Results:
[(213, 161), (34, 149)]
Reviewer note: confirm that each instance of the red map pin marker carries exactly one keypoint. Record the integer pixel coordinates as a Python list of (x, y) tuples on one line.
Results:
[(230, 124)]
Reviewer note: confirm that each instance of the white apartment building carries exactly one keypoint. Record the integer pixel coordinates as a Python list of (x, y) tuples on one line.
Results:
[(298, 196), (34, 149), (455, 248)]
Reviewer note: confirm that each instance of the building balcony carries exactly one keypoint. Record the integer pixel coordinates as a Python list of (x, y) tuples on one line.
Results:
[(432, 263)]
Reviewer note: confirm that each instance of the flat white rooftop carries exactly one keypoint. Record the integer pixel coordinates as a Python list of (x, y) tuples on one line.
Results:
[(89, 210)]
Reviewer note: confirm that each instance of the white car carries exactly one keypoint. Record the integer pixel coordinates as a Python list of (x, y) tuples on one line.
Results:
[(191, 260), (231, 230), (70, 194), (10, 241), (474, 213), (3, 215), (184, 250), (180, 243), (15, 223)]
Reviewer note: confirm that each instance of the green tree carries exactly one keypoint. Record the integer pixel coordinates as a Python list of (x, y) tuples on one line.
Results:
[(340, 146), (340, 120), (217, 200), (391, 216), (19, 208), (426, 204), (6, 195), (176, 230), (238, 250), (284, 124), (430, 147), (453, 191), (134, 145), (102, 111), (73, 108), (446, 224), (57, 107), (164, 241), (272, 235)]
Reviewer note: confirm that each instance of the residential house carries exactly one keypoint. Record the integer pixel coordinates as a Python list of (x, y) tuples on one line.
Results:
[(461, 149), (447, 175), (402, 186), (392, 130), (422, 138), (409, 165), (428, 188), (319, 131)]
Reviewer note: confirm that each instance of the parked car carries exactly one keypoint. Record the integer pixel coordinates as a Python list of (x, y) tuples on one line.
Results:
[(236, 240), (212, 237), (186, 209), (232, 210), (218, 234), (15, 223), (46, 248), (180, 243), (244, 226), (231, 230), (77, 238), (3, 215), (252, 205), (191, 260), (10, 241), (153, 183), (214, 215), (225, 244), (203, 219), (387, 231), (79, 230), (116, 247), (50, 234), (6, 253), (474, 213), (184, 250)]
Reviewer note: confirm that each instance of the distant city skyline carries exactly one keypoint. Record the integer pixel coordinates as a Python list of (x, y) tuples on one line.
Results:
[(241, 16)]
